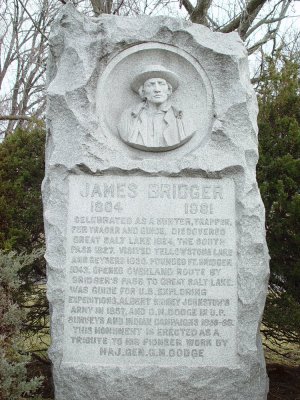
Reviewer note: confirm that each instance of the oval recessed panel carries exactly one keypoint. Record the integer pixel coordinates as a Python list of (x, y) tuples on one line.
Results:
[(193, 96)]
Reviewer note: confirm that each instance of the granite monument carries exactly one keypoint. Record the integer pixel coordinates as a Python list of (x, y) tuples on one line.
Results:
[(156, 254)]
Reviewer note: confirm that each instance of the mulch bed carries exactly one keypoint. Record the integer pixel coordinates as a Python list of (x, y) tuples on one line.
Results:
[(284, 382)]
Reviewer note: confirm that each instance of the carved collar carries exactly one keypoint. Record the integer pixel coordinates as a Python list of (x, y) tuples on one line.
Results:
[(165, 107)]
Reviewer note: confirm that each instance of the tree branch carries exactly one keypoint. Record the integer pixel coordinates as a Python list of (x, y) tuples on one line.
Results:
[(213, 23), (268, 20), (199, 15), (247, 21), (251, 7), (101, 6), (271, 34), (116, 10), (188, 6), (15, 118), (264, 22), (32, 20)]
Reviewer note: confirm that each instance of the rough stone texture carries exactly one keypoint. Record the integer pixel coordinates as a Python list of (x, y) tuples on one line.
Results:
[(78, 143)]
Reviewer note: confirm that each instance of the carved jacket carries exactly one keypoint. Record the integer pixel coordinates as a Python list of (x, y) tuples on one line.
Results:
[(164, 128)]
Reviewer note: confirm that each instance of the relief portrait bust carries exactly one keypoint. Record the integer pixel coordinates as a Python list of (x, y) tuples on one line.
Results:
[(154, 124)]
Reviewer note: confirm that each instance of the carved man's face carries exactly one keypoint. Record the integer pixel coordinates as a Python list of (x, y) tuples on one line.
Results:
[(156, 90)]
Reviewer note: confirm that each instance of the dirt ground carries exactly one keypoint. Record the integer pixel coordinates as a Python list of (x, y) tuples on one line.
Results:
[(284, 382)]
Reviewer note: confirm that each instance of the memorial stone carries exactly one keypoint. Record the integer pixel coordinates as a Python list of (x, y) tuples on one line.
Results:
[(156, 252)]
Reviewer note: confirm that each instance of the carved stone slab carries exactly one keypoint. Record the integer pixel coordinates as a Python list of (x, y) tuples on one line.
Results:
[(156, 253), (151, 271)]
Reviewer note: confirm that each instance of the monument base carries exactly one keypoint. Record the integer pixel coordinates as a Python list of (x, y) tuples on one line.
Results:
[(84, 381)]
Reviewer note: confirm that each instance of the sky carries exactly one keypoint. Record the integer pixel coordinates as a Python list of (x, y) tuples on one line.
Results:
[(288, 27)]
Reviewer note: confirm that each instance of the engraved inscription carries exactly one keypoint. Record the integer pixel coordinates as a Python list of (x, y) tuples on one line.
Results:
[(151, 271)]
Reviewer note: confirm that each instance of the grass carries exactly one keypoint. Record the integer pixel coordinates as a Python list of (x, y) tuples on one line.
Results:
[(281, 352)]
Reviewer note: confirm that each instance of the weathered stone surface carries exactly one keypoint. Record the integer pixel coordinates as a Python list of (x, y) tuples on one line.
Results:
[(91, 172)]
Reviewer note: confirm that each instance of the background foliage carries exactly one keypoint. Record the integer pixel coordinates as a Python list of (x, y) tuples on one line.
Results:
[(24, 317), (278, 175), (14, 357), (21, 174)]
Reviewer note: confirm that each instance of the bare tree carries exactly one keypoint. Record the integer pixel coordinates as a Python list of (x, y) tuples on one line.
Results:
[(25, 25), (256, 21), (244, 16), (23, 50)]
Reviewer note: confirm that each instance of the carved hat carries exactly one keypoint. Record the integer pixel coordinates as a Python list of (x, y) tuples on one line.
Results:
[(154, 71)]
